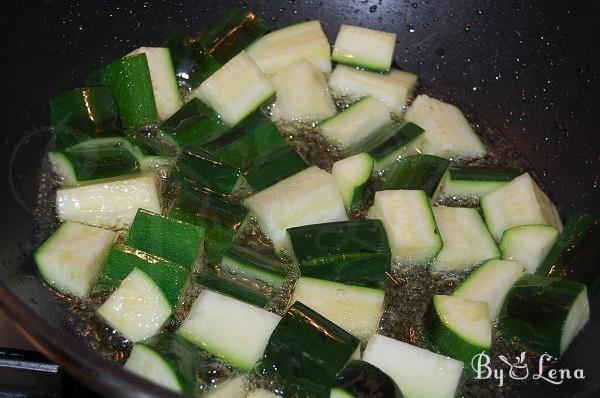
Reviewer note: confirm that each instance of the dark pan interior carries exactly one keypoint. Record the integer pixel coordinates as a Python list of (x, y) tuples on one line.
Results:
[(526, 70)]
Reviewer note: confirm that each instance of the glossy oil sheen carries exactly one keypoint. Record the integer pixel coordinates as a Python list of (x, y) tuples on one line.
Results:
[(417, 172)]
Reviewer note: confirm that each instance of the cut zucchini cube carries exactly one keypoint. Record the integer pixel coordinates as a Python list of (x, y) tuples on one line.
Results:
[(236, 387), (417, 172), (273, 167), (519, 202), (472, 182), (236, 90), (229, 329), (418, 372), (360, 376), (356, 309), (352, 177), (367, 48), (405, 141), (308, 197), (205, 170), (467, 241), (528, 244), (409, 224), (71, 258)]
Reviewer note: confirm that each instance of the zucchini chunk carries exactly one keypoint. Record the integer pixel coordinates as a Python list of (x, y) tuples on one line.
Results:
[(167, 360), (460, 328), (82, 114), (71, 258), (253, 139), (273, 167), (417, 172), (472, 182), (164, 83), (284, 47), (193, 125), (138, 309), (360, 379), (575, 254), (352, 177), (409, 224), (467, 241), (196, 166), (109, 203), (406, 140), (355, 309), (192, 63), (220, 219), (242, 262), (448, 134), (232, 388), (544, 314), (519, 202), (320, 349), (367, 48), (131, 84), (229, 329), (171, 278), (351, 251), (417, 372), (302, 94), (231, 33), (490, 283), (393, 89), (308, 197), (166, 237), (528, 244), (357, 127), (237, 288), (236, 90)]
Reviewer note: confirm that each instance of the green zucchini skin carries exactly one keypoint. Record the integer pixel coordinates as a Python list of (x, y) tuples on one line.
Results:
[(360, 379), (274, 167), (233, 287), (131, 85), (350, 251), (233, 32), (81, 114), (192, 63), (420, 172), (401, 143), (183, 357), (243, 262), (166, 237), (576, 254), (204, 169), (248, 142), (318, 347), (193, 125), (170, 277), (535, 311), (477, 173), (220, 219)]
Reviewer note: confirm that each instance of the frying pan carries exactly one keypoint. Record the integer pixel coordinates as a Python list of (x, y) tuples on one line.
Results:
[(526, 71)]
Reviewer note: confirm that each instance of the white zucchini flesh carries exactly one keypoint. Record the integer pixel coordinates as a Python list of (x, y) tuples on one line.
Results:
[(308, 197), (167, 96), (229, 329), (357, 124), (110, 203), (147, 363), (71, 258), (519, 202), (467, 319), (137, 309), (467, 241), (302, 94), (356, 309), (417, 372), (236, 89), (528, 244), (447, 134), (261, 394), (490, 283), (233, 388), (352, 173), (393, 89), (369, 48), (340, 393), (409, 225), (281, 48), (576, 319), (63, 168)]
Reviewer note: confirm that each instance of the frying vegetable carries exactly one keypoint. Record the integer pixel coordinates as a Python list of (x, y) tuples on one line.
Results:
[(368, 48), (360, 379), (417, 172), (233, 388), (352, 177), (273, 167), (245, 263), (406, 140), (472, 182), (528, 244), (205, 170)]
